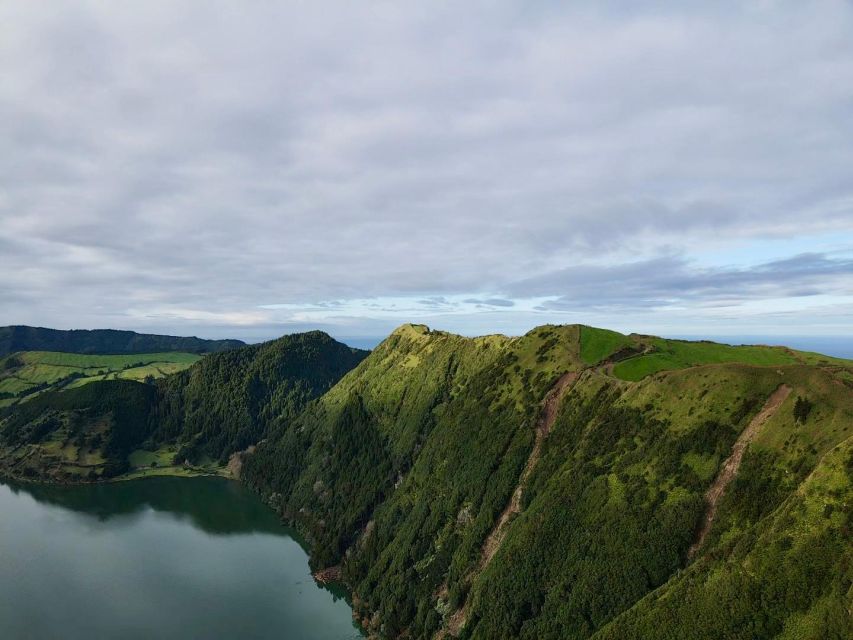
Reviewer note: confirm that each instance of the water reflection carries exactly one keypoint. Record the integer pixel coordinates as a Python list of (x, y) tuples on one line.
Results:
[(162, 557), (214, 505)]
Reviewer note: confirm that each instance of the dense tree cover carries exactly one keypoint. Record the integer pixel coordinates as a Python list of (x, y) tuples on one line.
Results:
[(347, 452), (233, 399), (442, 427), (612, 510), (22, 338)]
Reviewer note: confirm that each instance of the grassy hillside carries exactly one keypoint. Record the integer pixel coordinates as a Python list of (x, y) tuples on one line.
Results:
[(26, 373), (665, 355), (102, 341), (599, 344)]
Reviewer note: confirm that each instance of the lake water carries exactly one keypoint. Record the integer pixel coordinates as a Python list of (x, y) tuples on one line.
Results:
[(156, 558)]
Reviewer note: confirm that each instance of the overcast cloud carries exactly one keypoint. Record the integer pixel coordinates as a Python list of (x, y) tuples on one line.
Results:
[(250, 169)]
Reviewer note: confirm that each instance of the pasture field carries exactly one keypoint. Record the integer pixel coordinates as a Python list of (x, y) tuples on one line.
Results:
[(26, 373), (145, 463), (666, 355), (597, 344)]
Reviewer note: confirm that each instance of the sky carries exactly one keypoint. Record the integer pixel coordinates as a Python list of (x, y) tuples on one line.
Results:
[(248, 169)]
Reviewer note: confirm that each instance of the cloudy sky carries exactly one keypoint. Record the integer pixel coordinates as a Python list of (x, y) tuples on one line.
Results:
[(249, 169)]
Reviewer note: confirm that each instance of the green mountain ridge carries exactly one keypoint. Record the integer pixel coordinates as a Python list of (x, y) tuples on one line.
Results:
[(549, 485)]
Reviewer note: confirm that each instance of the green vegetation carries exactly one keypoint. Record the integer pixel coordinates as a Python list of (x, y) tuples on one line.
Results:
[(401, 470), (399, 465), (85, 433), (400, 473), (666, 355), (598, 344), (187, 423), (234, 399), (26, 373), (788, 576), (802, 409), (102, 341), (162, 462)]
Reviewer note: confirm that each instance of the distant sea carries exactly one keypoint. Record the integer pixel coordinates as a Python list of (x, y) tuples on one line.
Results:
[(361, 343), (838, 346)]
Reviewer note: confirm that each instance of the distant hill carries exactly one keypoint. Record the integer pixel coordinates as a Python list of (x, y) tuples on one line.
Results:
[(103, 341)]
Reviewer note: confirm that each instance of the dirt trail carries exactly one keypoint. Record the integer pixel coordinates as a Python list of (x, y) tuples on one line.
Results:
[(543, 428), (730, 466), (513, 508)]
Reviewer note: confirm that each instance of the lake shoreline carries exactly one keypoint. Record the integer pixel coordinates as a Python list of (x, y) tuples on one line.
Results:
[(328, 578)]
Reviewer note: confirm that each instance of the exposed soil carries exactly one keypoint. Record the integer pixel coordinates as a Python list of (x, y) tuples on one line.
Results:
[(730, 467), (493, 542), (235, 462), (327, 575), (543, 428)]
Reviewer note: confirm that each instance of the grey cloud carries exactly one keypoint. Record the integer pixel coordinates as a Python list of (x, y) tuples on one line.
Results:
[(671, 280), (436, 302), (491, 302), (176, 157)]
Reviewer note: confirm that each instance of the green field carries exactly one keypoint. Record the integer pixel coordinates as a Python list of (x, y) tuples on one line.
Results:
[(24, 374), (597, 344), (145, 463), (666, 355)]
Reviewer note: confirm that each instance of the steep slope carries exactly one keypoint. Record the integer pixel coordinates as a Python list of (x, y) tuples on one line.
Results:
[(232, 399), (789, 577), (422, 443), (102, 341), (427, 475), (619, 496), (496, 537), (729, 469), (223, 403)]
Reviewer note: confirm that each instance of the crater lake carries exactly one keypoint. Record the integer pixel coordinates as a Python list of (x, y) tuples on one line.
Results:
[(156, 558)]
